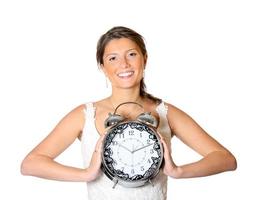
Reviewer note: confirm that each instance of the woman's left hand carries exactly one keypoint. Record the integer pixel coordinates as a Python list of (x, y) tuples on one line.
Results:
[(169, 167)]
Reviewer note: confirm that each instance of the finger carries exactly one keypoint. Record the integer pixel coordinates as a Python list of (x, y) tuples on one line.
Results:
[(99, 144), (166, 149), (161, 137), (164, 142)]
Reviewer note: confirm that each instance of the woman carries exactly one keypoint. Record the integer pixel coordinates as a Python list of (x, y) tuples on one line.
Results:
[(122, 55)]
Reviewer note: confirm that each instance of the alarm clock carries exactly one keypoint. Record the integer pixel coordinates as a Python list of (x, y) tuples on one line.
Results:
[(132, 151)]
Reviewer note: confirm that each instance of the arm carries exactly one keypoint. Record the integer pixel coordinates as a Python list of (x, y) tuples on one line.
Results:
[(40, 161), (216, 158)]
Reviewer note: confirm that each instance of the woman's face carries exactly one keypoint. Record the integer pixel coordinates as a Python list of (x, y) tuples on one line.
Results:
[(123, 63)]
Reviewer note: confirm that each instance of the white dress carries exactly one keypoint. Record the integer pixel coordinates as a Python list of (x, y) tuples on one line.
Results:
[(101, 188)]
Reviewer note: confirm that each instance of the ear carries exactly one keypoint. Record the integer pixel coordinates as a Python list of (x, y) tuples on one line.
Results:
[(145, 60), (103, 68)]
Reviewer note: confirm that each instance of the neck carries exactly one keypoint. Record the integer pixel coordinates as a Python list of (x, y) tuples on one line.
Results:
[(124, 95)]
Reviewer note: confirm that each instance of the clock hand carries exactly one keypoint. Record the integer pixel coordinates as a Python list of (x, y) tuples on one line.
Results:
[(132, 153), (125, 147), (142, 148)]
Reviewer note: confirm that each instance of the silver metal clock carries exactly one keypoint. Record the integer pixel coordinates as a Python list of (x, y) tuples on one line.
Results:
[(132, 153)]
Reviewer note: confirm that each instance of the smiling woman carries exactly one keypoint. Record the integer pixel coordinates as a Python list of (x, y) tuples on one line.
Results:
[(122, 55), (136, 42), (123, 63)]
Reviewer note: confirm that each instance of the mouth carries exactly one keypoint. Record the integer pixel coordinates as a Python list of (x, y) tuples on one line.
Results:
[(126, 74)]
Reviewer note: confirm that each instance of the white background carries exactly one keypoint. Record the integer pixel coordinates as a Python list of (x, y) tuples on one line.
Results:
[(201, 59)]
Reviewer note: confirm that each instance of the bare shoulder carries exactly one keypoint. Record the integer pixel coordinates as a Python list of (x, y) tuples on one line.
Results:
[(190, 132), (176, 115), (173, 108), (79, 109), (77, 113), (63, 134), (72, 123), (180, 121)]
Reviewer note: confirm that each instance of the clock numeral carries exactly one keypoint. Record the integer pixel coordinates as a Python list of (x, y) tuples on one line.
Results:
[(131, 132), (142, 168), (132, 171), (148, 141), (121, 135), (151, 151), (149, 160), (140, 134), (122, 169), (114, 143)]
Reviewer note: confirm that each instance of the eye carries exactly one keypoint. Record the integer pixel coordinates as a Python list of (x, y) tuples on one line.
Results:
[(113, 58), (132, 54)]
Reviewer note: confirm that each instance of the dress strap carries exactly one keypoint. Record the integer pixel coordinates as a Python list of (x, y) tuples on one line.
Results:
[(162, 109), (90, 110), (164, 128)]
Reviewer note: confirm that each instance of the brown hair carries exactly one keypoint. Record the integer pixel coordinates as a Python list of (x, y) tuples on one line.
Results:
[(124, 32)]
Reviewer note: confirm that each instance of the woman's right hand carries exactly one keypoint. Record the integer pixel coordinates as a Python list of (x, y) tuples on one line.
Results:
[(94, 169)]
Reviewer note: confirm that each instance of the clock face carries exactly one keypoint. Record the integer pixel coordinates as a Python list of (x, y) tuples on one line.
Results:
[(132, 151)]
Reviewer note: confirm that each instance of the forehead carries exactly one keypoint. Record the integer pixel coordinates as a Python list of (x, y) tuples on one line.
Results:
[(120, 45)]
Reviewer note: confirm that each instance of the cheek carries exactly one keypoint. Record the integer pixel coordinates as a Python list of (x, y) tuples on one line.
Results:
[(137, 63), (109, 71), (140, 65)]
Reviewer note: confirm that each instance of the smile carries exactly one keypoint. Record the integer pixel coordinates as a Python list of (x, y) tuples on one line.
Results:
[(125, 74)]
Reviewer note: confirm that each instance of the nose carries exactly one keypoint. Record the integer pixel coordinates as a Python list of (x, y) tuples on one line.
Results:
[(124, 63)]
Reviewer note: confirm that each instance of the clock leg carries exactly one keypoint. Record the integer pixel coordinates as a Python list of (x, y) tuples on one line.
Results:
[(151, 182), (115, 182)]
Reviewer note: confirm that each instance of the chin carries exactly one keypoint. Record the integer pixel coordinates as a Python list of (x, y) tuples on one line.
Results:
[(127, 84)]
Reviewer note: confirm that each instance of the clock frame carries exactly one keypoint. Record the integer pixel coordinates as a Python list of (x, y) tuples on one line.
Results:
[(132, 154)]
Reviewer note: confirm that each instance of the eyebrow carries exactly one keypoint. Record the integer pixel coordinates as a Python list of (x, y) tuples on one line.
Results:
[(109, 54)]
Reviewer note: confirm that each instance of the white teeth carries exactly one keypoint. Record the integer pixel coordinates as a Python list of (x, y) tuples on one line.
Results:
[(125, 74)]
